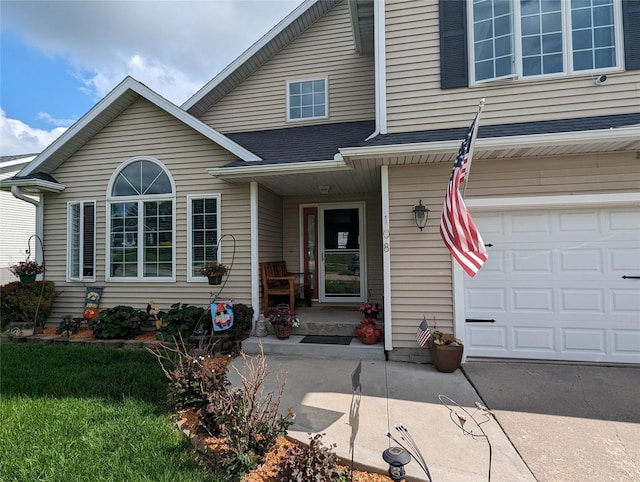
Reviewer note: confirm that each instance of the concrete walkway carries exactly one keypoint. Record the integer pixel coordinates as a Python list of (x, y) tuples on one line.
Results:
[(320, 392)]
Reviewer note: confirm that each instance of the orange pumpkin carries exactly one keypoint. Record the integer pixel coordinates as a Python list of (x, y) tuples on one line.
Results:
[(90, 313)]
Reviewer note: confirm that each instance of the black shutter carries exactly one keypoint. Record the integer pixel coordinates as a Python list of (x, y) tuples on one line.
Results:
[(453, 44), (88, 245), (631, 22)]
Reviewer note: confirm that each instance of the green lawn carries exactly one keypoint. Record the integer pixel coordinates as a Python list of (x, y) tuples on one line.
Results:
[(73, 413)]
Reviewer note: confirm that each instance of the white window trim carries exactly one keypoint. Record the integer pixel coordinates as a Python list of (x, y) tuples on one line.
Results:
[(326, 97), (566, 54), (190, 198), (81, 203), (122, 199)]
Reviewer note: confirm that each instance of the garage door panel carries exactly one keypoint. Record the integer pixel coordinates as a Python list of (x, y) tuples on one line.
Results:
[(531, 223), (626, 301), (531, 261), (582, 260), (583, 341), (492, 338), (553, 286), (626, 342), (529, 300), (487, 300), (624, 261), (581, 300), (530, 338)]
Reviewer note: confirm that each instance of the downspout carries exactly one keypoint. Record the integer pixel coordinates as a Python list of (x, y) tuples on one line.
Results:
[(39, 204)]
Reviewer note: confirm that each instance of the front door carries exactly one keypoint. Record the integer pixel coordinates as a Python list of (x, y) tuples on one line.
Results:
[(341, 273)]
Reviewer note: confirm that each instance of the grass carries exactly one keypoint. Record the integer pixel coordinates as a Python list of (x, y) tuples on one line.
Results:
[(85, 413)]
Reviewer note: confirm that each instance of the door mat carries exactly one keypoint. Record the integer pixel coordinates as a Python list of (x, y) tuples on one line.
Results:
[(339, 308), (326, 340)]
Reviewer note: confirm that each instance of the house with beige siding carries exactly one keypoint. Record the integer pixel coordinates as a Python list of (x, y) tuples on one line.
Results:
[(314, 146)]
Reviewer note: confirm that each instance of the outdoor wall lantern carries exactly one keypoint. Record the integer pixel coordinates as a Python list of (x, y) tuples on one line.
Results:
[(421, 214)]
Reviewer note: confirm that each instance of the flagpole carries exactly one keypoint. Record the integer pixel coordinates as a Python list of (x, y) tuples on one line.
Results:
[(473, 141)]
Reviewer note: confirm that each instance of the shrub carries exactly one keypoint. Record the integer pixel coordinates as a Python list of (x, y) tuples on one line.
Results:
[(244, 417), (22, 302), (117, 322), (242, 319), (180, 321), (315, 462)]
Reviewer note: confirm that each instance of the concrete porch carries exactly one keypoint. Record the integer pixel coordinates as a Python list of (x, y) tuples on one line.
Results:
[(320, 319)]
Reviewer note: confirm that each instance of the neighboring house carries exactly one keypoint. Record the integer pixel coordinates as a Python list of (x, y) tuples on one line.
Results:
[(17, 221), (317, 142)]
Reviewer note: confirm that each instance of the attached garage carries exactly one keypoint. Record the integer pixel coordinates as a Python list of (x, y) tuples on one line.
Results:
[(562, 282)]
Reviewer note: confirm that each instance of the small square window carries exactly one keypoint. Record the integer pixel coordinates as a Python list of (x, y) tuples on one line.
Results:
[(307, 99)]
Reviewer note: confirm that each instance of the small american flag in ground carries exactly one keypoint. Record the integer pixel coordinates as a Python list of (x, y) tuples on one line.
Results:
[(424, 333), (457, 229)]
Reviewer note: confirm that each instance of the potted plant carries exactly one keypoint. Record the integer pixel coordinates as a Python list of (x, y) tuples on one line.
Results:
[(370, 311), (214, 272), (283, 321), (368, 331), (446, 351), (27, 270)]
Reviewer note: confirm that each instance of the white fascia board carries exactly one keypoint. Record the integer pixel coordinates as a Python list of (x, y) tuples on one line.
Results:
[(510, 142), (278, 169), (127, 84), (39, 184), (246, 55)]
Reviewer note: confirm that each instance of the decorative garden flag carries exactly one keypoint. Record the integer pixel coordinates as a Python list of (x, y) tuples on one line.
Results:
[(457, 228), (222, 315)]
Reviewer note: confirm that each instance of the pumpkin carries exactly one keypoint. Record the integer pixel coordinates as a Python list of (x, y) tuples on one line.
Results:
[(90, 313)]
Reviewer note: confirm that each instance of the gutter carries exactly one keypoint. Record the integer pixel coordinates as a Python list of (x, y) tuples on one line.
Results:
[(242, 172), (622, 134)]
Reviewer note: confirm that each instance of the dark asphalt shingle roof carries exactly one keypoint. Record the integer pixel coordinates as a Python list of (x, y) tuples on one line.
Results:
[(321, 142), (300, 144)]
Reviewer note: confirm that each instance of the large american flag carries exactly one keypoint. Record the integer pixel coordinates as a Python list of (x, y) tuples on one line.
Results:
[(457, 229)]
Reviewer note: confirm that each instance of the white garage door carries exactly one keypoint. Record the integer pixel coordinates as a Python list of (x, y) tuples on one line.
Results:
[(558, 285)]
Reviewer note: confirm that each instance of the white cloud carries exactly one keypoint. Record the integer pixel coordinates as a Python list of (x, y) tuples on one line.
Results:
[(173, 47), (49, 119), (16, 137)]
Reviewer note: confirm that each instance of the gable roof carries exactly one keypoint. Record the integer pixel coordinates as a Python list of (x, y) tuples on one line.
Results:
[(276, 39), (107, 109)]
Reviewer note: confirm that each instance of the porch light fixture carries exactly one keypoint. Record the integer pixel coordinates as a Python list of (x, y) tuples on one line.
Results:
[(420, 214)]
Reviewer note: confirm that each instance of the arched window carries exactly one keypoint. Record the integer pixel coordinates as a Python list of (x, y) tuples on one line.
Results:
[(141, 221)]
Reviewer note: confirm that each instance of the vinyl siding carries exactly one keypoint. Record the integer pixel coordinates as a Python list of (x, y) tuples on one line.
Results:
[(18, 223), (326, 49), (416, 102), (145, 130), (421, 265)]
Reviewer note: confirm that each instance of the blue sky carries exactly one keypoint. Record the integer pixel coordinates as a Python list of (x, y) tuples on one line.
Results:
[(58, 58)]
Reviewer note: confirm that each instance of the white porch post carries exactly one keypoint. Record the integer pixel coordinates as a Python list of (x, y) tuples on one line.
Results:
[(386, 257), (255, 252)]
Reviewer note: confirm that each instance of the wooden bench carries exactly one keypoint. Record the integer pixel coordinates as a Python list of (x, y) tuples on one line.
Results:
[(277, 280)]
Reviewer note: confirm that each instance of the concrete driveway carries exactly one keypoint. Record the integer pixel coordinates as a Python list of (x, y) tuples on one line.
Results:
[(568, 422)]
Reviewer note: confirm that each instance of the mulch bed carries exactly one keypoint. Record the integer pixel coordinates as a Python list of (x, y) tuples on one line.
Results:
[(87, 334), (268, 471)]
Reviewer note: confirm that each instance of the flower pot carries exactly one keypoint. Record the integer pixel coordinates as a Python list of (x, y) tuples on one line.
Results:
[(215, 280), (446, 358), (282, 331), (368, 334), (28, 278)]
